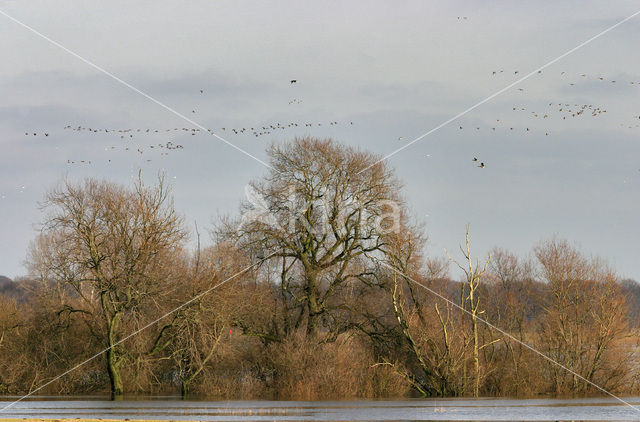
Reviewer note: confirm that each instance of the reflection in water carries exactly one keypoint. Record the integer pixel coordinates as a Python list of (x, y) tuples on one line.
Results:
[(453, 409)]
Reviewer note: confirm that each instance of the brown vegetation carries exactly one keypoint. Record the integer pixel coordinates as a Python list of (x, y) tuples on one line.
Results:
[(342, 301)]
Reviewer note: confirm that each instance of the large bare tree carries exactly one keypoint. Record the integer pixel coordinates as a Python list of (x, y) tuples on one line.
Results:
[(319, 213), (107, 244)]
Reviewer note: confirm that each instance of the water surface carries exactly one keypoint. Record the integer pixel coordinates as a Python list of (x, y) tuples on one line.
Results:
[(168, 408)]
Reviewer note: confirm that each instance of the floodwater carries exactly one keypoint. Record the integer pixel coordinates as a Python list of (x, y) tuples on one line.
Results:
[(169, 408)]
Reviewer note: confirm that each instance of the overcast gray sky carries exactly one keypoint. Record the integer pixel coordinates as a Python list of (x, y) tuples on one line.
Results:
[(394, 69)]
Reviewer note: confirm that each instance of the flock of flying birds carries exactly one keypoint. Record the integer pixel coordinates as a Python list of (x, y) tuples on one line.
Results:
[(257, 130), (131, 134), (581, 75), (554, 110), (564, 110)]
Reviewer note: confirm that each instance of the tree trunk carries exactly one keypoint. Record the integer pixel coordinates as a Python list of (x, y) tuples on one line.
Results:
[(112, 359), (114, 375), (313, 306), (312, 321), (476, 360), (184, 388)]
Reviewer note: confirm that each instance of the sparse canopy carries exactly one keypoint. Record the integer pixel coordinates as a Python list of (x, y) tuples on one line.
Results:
[(108, 244)]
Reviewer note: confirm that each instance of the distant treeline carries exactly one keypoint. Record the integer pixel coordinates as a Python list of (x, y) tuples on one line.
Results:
[(320, 289)]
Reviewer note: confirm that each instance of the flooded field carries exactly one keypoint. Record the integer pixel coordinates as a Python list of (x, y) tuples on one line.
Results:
[(593, 409)]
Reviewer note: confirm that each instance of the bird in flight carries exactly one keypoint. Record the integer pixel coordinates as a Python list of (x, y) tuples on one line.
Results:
[(475, 159), (481, 165), (293, 81)]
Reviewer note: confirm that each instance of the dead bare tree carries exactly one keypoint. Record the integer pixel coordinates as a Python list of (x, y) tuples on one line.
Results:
[(428, 330), (469, 294)]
